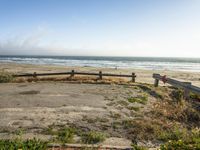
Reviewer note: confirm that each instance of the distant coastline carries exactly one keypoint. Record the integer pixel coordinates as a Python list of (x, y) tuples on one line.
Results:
[(147, 63)]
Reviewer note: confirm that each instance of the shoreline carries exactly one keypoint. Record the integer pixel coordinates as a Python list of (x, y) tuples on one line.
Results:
[(143, 63), (143, 76)]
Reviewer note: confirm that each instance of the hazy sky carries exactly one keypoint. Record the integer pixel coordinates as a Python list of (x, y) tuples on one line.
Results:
[(100, 27)]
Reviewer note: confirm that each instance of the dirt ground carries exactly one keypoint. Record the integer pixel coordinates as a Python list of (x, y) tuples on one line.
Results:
[(35, 106)]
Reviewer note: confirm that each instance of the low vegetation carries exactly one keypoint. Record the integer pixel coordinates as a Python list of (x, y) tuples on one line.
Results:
[(157, 92), (195, 97), (93, 137), (5, 77), (17, 144), (177, 95), (180, 145), (174, 138), (168, 119), (139, 99), (66, 135), (135, 108), (183, 140), (136, 147)]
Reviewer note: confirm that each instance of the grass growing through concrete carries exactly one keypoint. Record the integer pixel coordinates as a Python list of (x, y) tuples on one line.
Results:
[(17, 144), (139, 99), (66, 135), (136, 147), (135, 108), (123, 103), (115, 115), (93, 137)]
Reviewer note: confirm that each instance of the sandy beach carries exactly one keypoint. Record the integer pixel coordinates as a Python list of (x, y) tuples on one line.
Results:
[(143, 76)]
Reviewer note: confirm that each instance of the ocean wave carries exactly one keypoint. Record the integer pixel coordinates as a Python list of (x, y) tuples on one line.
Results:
[(111, 62)]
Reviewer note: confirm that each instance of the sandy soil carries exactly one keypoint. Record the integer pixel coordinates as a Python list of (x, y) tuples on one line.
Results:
[(35, 106)]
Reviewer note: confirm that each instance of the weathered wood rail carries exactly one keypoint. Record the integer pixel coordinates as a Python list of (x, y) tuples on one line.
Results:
[(73, 73), (187, 86)]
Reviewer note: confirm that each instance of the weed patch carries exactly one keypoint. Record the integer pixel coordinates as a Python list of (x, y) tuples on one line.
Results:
[(136, 147), (150, 91), (134, 108), (115, 115), (93, 137), (123, 103), (174, 134), (177, 95), (180, 145), (5, 77), (140, 99), (66, 135), (31, 144), (194, 96)]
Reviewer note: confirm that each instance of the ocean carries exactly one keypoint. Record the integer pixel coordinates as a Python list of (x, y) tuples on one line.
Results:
[(148, 63)]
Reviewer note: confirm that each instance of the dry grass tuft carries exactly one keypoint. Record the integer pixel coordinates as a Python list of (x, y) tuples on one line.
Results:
[(5, 77), (76, 79)]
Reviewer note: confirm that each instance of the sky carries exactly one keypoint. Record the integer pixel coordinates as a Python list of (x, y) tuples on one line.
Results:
[(159, 28)]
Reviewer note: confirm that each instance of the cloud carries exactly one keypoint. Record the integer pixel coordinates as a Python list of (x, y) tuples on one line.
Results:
[(24, 44), (45, 42)]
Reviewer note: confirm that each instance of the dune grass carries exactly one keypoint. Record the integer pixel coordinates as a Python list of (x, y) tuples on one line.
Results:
[(5, 77)]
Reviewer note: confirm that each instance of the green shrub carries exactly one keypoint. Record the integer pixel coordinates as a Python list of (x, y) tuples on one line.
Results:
[(189, 141), (174, 134), (136, 147), (5, 77), (180, 145), (31, 144), (177, 95), (93, 137), (194, 96), (139, 99), (66, 135)]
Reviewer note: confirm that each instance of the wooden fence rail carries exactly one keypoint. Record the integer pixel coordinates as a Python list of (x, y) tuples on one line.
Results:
[(73, 73), (187, 86)]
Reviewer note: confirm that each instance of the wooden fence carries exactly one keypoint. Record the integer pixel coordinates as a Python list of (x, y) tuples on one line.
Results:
[(73, 73), (187, 86)]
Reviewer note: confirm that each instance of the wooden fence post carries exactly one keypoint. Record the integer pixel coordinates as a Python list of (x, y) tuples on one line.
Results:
[(186, 91), (72, 74), (100, 75), (133, 77), (156, 82), (34, 75)]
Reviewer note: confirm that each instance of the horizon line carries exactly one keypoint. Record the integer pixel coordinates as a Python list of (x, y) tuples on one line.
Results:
[(44, 55)]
